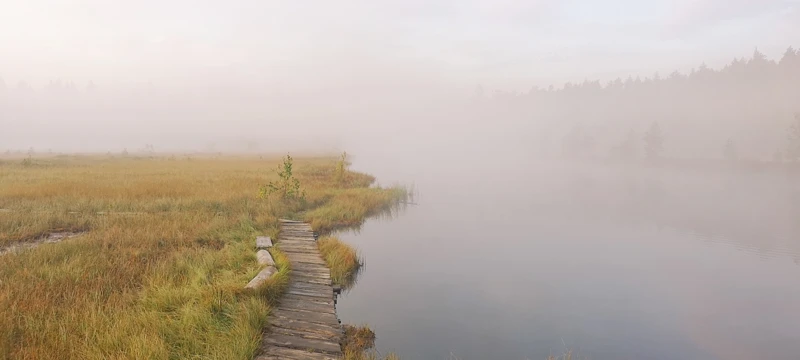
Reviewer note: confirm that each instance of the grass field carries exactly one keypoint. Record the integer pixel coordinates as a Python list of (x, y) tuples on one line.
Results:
[(166, 251)]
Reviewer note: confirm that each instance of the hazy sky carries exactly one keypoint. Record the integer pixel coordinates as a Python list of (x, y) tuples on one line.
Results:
[(502, 43)]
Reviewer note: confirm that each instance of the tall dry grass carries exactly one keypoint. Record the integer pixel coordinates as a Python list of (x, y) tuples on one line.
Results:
[(359, 344), (342, 259), (159, 273)]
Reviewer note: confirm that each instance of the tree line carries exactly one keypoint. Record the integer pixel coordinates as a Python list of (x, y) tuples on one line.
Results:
[(748, 108)]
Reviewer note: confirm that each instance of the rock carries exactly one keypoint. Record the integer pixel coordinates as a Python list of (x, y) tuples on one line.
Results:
[(263, 242)]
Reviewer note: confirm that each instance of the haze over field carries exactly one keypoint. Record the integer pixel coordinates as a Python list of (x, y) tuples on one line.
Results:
[(617, 177), (200, 75)]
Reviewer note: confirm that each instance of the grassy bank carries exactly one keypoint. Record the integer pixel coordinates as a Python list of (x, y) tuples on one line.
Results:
[(341, 258), (359, 344), (167, 249)]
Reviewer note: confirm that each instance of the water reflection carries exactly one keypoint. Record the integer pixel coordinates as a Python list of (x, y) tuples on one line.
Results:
[(620, 264), (386, 214)]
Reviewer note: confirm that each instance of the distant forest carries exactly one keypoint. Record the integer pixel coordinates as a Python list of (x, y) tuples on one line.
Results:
[(748, 106), (745, 110)]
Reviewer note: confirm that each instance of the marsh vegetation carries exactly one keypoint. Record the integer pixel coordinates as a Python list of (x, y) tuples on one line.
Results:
[(167, 249)]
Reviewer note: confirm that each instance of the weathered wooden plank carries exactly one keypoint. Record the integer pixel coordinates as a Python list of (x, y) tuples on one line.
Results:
[(315, 300), (313, 280), (299, 268), (307, 258), (312, 247), (311, 260), (314, 274), (304, 256), (264, 257), (312, 317), (334, 338), (306, 306), (310, 267), (296, 342), (296, 251), (309, 287), (298, 240), (313, 269), (308, 261), (300, 243), (303, 261), (300, 246), (282, 353), (299, 250), (312, 256), (263, 242), (261, 277), (319, 274), (310, 293), (297, 244)]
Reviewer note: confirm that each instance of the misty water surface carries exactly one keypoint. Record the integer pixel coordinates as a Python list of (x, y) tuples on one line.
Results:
[(509, 259)]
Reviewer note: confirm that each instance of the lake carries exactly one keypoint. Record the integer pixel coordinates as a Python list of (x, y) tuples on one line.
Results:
[(505, 258)]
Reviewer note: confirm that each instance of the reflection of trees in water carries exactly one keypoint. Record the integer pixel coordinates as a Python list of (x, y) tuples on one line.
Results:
[(756, 213)]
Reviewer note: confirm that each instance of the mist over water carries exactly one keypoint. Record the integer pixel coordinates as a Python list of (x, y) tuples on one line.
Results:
[(616, 177), (616, 263)]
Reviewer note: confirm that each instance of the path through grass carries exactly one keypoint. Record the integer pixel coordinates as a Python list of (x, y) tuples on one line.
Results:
[(159, 273)]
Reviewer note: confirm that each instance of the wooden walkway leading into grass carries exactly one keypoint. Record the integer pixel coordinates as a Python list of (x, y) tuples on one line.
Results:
[(304, 325)]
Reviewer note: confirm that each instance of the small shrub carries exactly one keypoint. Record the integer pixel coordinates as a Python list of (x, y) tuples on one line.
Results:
[(287, 186), (341, 169)]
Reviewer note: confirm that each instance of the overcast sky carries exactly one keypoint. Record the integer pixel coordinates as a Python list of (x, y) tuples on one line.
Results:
[(503, 43)]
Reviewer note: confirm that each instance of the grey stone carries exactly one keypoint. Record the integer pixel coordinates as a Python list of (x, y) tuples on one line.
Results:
[(263, 242)]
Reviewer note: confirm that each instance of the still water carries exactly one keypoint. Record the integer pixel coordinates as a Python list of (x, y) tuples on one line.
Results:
[(521, 260)]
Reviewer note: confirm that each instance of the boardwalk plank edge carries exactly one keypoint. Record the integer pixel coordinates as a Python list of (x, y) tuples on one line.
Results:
[(304, 324)]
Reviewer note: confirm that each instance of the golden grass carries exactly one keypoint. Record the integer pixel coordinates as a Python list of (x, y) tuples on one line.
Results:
[(341, 258), (168, 248), (359, 344)]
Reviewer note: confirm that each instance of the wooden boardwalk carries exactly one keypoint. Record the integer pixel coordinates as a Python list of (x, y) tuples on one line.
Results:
[(304, 325)]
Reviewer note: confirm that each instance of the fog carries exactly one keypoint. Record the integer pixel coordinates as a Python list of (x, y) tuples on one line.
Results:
[(612, 176), (276, 76)]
